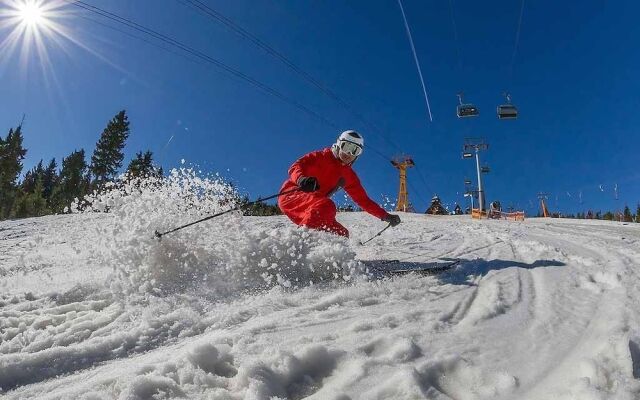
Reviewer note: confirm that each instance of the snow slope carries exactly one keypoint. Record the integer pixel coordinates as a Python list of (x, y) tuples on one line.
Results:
[(92, 307)]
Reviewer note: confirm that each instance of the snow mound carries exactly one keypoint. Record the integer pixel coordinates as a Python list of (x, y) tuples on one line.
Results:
[(289, 376), (459, 378)]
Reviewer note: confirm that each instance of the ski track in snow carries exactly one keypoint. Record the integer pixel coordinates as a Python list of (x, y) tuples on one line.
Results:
[(536, 310)]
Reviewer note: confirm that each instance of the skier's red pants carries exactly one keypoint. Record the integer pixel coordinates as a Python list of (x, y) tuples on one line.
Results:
[(312, 211)]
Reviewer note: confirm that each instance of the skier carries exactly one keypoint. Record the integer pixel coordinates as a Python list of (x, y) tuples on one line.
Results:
[(319, 175)]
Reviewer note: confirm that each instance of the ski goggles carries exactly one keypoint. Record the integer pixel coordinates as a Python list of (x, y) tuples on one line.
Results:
[(350, 148)]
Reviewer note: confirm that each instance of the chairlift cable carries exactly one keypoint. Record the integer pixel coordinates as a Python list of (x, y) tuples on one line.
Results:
[(204, 57), (515, 47), (427, 186), (216, 15), (212, 13), (232, 71), (156, 45), (417, 193), (149, 42), (378, 152), (462, 110), (415, 57), (455, 36), (201, 56)]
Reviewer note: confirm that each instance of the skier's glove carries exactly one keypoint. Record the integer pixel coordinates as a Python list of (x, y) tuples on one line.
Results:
[(308, 184), (392, 219)]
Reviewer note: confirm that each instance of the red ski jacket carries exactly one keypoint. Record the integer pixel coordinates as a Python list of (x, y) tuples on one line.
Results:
[(331, 175)]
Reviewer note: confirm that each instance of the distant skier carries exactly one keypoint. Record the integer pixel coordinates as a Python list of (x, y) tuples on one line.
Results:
[(319, 175)]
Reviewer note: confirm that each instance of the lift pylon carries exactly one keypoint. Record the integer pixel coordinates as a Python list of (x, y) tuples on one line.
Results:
[(543, 205), (402, 163)]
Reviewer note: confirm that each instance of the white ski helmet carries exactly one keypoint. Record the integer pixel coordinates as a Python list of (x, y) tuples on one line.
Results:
[(349, 146)]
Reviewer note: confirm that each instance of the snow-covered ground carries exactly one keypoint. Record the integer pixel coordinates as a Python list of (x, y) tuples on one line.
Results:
[(93, 307)]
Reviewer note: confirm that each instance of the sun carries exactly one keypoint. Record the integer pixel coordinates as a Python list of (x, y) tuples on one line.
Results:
[(27, 25), (31, 13), (31, 30), (39, 38)]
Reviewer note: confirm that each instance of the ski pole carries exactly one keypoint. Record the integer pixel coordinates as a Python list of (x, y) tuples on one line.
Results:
[(377, 234), (160, 235)]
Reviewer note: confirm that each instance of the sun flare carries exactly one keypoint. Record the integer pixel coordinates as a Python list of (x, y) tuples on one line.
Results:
[(42, 34), (29, 27), (31, 13)]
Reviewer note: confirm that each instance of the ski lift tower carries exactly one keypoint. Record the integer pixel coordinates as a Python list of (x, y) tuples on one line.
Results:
[(469, 191), (543, 205), (471, 146), (402, 163)]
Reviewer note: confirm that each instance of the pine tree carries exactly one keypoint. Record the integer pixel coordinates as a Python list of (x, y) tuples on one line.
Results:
[(31, 204), (638, 213), (28, 184), (108, 155), (628, 217), (49, 180), (35, 189), (142, 166), (11, 155), (29, 181), (72, 182)]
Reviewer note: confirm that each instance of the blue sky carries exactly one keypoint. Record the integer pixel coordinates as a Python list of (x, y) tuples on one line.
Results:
[(573, 80)]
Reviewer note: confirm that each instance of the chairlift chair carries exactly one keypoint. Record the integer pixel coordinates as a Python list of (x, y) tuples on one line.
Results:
[(484, 169), (507, 111), (467, 181), (467, 154), (466, 110)]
